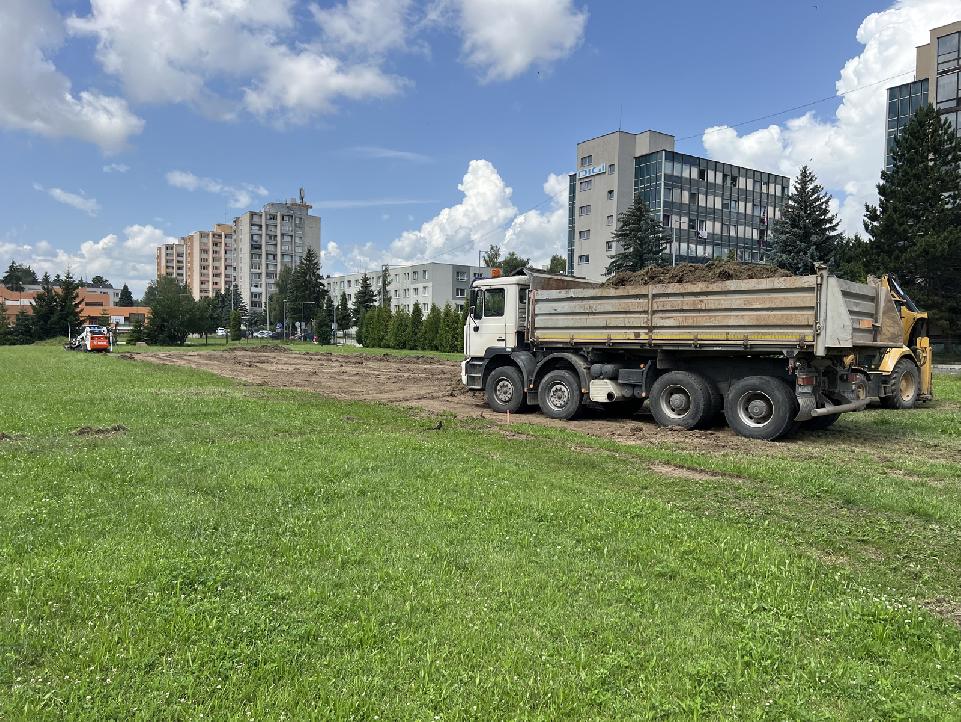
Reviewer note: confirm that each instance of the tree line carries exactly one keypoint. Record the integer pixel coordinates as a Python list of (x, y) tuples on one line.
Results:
[(913, 232)]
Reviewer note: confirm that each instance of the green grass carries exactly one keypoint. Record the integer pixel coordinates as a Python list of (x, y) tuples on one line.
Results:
[(248, 552)]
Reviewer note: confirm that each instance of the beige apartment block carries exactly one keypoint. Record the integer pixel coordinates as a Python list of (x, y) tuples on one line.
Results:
[(170, 261), (209, 261)]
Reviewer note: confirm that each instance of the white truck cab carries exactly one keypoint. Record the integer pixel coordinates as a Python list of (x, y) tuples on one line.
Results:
[(497, 317)]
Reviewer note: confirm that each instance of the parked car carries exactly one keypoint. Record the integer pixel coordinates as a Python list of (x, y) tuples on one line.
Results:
[(262, 334), (221, 331)]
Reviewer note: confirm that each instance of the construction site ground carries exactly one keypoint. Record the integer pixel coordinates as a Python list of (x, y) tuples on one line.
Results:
[(433, 385)]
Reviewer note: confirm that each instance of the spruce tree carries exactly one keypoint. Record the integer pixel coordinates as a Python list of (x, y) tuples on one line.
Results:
[(430, 329), (807, 231), (416, 323), (915, 229), (323, 322), (235, 330), (45, 310), (126, 297), (642, 238), (343, 315), (6, 332), (68, 305), (383, 292), (17, 276), (23, 328), (399, 334), (136, 332), (852, 259), (364, 299)]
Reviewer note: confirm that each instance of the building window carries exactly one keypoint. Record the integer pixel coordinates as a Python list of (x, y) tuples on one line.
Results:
[(414, 276), (733, 181), (948, 90), (610, 220), (584, 210), (425, 291), (585, 258), (425, 274), (610, 246), (694, 199), (702, 174), (666, 220), (462, 275), (458, 293), (610, 195), (586, 185), (583, 235), (947, 52), (586, 160), (610, 169)]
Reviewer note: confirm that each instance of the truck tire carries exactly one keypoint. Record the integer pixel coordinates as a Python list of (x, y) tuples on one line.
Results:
[(504, 390), (559, 395), (760, 407), (680, 398), (905, 384)]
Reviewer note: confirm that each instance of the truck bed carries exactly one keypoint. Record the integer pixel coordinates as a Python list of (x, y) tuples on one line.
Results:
[(818, 313)]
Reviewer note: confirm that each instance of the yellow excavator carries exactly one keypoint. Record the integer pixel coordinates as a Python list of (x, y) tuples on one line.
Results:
[(901, 377)]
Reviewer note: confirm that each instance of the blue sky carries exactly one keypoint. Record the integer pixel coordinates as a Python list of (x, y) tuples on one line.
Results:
[(379, 108)]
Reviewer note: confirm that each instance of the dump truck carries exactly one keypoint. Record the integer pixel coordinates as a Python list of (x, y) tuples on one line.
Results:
[(901, 378), (91, 338), (769, 354)]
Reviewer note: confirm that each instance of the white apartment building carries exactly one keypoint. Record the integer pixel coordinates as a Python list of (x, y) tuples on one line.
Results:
[(423, 283), (170, 261), (267, 240)]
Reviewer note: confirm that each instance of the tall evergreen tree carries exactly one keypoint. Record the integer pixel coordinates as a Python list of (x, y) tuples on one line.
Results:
[(6, 332), (236, 333), (364, 299), (323, 321), (23, 328), (558, 264), (68, 305), (642, 239), (915, 229), (17, 276), (281, 292), (383, 292), (126, 297), (852, 258), (430, 329), (807, 231), (370, 335), (399, 334), (416, 322), (97, 281), (45, 310), (343, 315)]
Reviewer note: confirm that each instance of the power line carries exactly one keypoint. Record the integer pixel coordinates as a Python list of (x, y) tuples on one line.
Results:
[(796, 107)]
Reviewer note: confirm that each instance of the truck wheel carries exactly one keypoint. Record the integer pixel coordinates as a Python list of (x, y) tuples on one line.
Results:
[(905, 386), (760, 407), (504, 390), (679, 398), (559, 395)]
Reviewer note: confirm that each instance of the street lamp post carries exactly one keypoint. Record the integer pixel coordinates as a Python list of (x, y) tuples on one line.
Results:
[(286, 333)]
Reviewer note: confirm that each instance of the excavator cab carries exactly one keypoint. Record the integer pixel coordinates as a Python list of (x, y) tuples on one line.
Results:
[(901, 377)]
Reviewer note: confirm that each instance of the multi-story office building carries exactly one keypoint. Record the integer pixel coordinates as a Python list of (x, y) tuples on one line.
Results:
[(209, 261), (423, 283), (267, 240), (710, 208), (170, 261), (937, 69)]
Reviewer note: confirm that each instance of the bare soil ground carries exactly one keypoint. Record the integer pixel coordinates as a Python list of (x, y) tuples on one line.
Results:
[(433, 385)]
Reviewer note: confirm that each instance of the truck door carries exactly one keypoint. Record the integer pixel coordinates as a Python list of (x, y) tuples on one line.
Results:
[(488, 327)]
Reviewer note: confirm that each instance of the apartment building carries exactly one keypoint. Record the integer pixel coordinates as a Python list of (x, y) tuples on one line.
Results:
[(266, 241), (209, 261), (94, 303), (710, 208), (937, 69), (423, 283), (171, 261)]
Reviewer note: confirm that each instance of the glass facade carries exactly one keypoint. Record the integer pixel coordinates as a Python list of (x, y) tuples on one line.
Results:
[(948, 101), (903, 100), (710, 208)]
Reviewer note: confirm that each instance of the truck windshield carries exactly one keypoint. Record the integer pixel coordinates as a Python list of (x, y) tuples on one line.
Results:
[(494, 302)]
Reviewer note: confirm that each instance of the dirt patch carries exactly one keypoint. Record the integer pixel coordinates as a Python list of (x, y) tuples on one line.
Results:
[(266, 348), (682, 472), (720, 270), (100, 430), (945, 608), (6, 437)]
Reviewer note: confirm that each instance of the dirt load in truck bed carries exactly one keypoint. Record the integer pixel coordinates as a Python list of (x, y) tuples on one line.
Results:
[(433, 385), (721, 270)]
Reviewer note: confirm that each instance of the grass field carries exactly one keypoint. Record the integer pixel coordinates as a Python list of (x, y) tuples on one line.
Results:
[(240, 551)]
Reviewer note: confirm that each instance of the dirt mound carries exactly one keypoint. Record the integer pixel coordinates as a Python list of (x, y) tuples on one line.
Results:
[(720, 270), (100, 430), (266, 348)]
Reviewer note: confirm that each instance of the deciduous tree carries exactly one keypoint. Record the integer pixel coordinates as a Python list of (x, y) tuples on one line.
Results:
[(558, 264)]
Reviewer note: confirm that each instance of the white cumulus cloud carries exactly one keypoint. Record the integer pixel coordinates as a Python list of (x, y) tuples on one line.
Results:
[(125, 258), (74, 200), (847, 150), (503, 38), (116, 168), (36, 97), (371, 27), (239, 195)]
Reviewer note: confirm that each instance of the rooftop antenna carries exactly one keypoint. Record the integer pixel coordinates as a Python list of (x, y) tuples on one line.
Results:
[(620, 117), (301, 195)]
